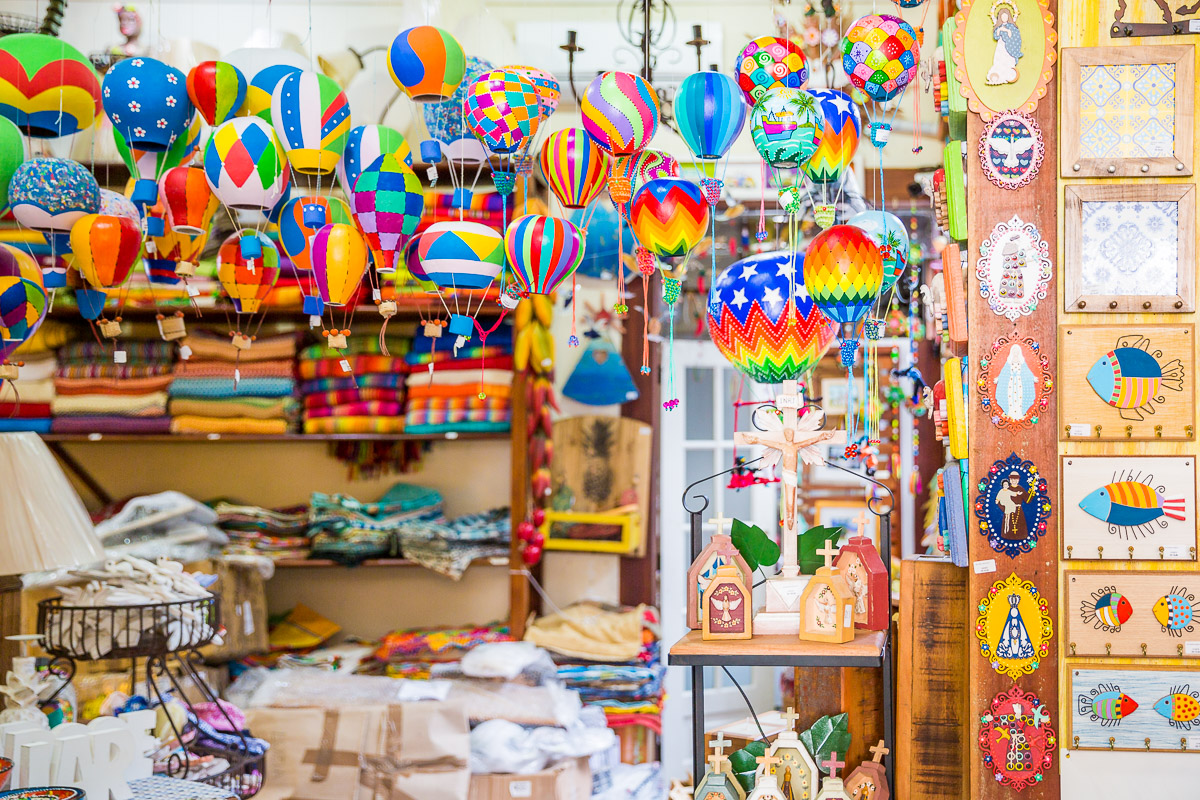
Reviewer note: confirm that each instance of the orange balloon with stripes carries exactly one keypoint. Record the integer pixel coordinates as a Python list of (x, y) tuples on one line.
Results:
[(105, 248), (189, 200)]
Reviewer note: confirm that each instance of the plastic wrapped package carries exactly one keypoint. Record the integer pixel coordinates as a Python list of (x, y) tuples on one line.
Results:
[(502, 746), (510, 660)]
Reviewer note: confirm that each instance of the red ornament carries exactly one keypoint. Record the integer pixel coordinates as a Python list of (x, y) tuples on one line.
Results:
[(539, 516), (532, 554), (525, 530)]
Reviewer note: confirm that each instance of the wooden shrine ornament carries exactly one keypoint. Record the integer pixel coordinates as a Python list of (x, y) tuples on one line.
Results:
[(727, 606), (1013, 506), (1017, 739), (1004, 54), (869, 780), (1133, 614), (865, 574), (796, 771), (1014, 627), (766, 786), (719, 552), (1015, 382), (719, 781), (833, 787), (1014, 268), (827, 605)]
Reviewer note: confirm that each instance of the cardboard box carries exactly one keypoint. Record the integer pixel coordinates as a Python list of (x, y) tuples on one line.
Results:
[(566, 780)]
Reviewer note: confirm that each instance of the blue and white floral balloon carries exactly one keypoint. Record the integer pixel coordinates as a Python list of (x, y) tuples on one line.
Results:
[(147, 102)]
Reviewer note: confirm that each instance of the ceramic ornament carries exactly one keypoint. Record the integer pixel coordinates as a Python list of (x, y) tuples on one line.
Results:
[(1016, 738), (796, 772), (1015, 382), (719, 552), (1011, 150), (1132, 614), (827, 604), (1013, 506), (1014, 628), (766, 787), (1014, 269), (719, 781), (833, 787), (1131, 377), (869, 780), (726, 606), (1136, 708)]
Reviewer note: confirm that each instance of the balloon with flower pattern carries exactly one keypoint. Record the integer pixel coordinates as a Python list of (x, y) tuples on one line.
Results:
[(843, 271), (542, 252)]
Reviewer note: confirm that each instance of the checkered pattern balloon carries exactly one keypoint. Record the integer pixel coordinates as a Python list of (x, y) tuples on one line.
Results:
[(366, 143), (771, 62), (245, 165), (502, 110), (548, 88), (388, 203), (843, 272), (880, 55), (542, 252), (767, 327)]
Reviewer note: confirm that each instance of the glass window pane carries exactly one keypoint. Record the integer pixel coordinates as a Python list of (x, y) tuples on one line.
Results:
[(742, 675), (687, 678), (698, 400), (737, 501), (709, 677), (731, 381)]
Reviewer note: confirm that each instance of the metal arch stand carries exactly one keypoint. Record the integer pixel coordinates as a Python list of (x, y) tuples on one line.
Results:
[(883, 512)]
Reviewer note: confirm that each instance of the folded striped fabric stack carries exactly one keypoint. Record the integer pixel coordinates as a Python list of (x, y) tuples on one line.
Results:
[(465, 391), (348, 531), (98, 390), (25, 404), (215, 391), (356, 390), (276, 534)]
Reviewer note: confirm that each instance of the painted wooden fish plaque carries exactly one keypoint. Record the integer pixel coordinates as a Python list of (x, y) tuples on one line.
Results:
[(1017, 739), (1131, 707), (1014, 268), (1133, 614), (1128, 508), (1015, 382), (1014, 628), (1004, 54), (1013, 507), (1114, 384)]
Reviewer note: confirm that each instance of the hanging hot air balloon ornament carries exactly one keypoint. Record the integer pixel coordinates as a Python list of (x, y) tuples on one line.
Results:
[(459, 257), (49, 195), (549, 90), (188, 200), (105, 249), (503, 112), (450, 137), (47, 87), (364, 144), (217, 89), (311, 118), (542, 252), (23, 305), (299, 220), (168, 260), (339, 261), (247, 281), (426, 63), (12, 155), (835, 153)]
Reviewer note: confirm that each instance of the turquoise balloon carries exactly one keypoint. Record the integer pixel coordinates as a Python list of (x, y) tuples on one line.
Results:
[(711, 112)]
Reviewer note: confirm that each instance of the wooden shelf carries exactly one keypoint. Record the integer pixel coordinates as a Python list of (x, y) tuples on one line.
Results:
[(866, 650), (407, 310), (323, 563), (124, 438)]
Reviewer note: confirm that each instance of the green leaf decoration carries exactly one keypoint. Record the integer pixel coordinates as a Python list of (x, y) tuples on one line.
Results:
[(827, 735), (744, 763), (812, 540), (754, 545)]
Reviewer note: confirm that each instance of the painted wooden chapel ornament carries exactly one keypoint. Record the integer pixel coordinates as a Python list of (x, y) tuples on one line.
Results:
[(867, 577), (833, 787), (827, 605), (1015, 382), (1014, 627), (1014, 268), (719, 781), (718, 553), (796, 772), (1013, 506), (869, 780), (789, 439), (727, 606), (766, 787), (1017, 739)]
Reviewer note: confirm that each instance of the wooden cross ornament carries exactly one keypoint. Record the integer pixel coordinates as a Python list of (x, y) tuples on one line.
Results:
[(833, 765), (828, 551), (719, 520), (878, 751)]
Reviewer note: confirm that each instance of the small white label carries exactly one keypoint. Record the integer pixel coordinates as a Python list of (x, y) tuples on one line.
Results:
[(314, 320), (1194, 26), (247, 618), (1191, 648), (1078, 429), (790, 593), (119, 356), (520, 788), (95, 437), (345, 365), (848, 622), (237, 376), (985, 566), (1193, 742), (185, 352), (192, 291), (376, 295), (451, 434), (1174, 551), (787, 401)]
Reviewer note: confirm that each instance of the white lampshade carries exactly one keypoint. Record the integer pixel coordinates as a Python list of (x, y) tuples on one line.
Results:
[(43, 524)]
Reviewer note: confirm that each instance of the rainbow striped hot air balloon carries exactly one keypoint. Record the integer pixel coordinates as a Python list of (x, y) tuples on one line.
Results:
[(710, 110), (427, 63), (839, 139), (311, 118), (188, 200), (364, 144), (105, 249), (574, 166), (766, 330), (217, 89), (339, 259), (542, 252), (388, 203), (843, 271), (300, 220), (164, 253), (47, 87), (669, 216), (502, 110), (247, 283), (245, 165), (620, 112)]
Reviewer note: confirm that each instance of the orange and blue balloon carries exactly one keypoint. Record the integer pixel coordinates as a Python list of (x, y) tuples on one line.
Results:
[(710, 111), (23, 305), (542, 252), (105, 249), (843, 271), (427, 63), (461, 255), (669, 216), (299, 221), (574, 166)]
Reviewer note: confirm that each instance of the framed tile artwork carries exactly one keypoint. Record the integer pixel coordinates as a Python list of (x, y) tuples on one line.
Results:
[(1127, 111), (1127, 382), (1130, 247)]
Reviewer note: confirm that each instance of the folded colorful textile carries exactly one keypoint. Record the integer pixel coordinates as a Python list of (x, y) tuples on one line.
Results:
[(398, 340), (24, 410), (111, 370), (458, 377), (335, 425), (233, 425), (255, 407), (353, 382), (144, 352), (112, 424), (157, 383), (359, 365), (325, 399), (212, 347), (370, 408), (30, 424), (461, 390), (223, 387), (456, 427), (27, 391), (193, 368), (153, 404)]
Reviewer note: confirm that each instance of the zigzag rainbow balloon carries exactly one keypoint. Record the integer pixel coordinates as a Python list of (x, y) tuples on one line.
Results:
[(843, 270), (669, 216)]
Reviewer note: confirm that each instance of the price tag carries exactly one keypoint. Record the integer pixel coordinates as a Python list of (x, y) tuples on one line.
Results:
[(120, 356), (376, 295), (237, 376), (185, 352), (520, 788), (1174, 551), (1191, 648), (314, 320), (1078, 429), (984, 567), (1194, 26), (345, 365)]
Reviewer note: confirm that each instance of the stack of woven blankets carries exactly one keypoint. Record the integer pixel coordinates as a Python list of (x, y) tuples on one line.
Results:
[(355, 390), (25, 405), (464, 390), (220, 389), (112, 387), (275, 534)]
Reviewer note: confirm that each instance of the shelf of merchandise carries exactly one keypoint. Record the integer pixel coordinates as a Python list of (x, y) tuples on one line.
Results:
[(410, 308), (324, 563), (127, 438), (781, 650)]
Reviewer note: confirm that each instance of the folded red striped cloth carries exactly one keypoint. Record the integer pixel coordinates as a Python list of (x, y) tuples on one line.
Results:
[(354, 425), (426, 403), (450, 416), (372, 408), (24, 410), (340, 397), (461, 390), (111, 370), (359, 365), (351, 382)]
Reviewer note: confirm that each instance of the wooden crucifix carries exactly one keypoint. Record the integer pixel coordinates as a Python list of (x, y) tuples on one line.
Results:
[(789, 440), (833, 765), (878, 751)]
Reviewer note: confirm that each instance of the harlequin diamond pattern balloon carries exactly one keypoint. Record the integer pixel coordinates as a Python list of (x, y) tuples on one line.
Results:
[(502, 110), (247, 283), (786, 127), (245, 165), (542, 252), (770, 62), (843, 272), (388, 203), (839, 138), (710, 111), (669, 216), (620, 112), (461, 255), (574, 166), (890, 235), (47, 87), (767, 331), (880, 55)]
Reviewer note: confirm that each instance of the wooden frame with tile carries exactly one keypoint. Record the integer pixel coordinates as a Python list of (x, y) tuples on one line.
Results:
[(1074, 59), (1183, 300)]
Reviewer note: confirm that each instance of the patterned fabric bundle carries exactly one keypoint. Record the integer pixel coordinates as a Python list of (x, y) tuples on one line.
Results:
[(278, 534), (223, 390), (348, 531), (355, 390), (465, 391), (96, 394), (25, 404)]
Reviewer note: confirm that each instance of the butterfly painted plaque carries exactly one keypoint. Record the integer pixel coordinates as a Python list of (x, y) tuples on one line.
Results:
[(1013, 268), (1014, 627), (1017, 739), (1015, 382), (1131, 707), (1011, 150), (1004, 53), (1013, 506)]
